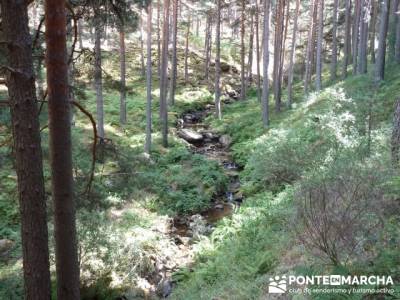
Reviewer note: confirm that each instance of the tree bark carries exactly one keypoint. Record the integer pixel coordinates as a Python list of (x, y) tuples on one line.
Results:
[(310, 48), (394, 4), (318, 82), (80, 34), (293, 54), (164, 78), (98, 78), (251, 49), (278, 52), (257, 21), (395, 141), (363, 44), (142, 67), (206, 46), (187, 49), (218, 62), (61, 152), (265, 91), (242, 52), (334, 40), (356, 26), (397, 42), (374, 17), (122, 103), (347, 38), (147, 147), (158, 39), (380, 55), (175, 7), (28, 152)]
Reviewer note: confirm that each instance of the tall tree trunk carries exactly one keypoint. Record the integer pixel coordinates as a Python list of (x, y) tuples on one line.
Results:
[(318, 82), (207, 45), (394, 4), (251, 49), (278, 52), (175, 6), (265, 90), (122, 103), (374, 17), (380, 55), (197, 26), (347, 38), (61, 152), (164, 78), (28, 152), (395, 141), (293, 54), (356, 27), (310, 48), (242, 52), (283, 48), (158, 39), (98, 79), (257, 21), (363, 44), (147, 146), (218, 61), (334, 40), (187, 49), (142, 67), (397, 42)]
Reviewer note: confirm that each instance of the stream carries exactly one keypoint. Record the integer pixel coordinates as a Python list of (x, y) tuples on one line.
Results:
[(205, 141)]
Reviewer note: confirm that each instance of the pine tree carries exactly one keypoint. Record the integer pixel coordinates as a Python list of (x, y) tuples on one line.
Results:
[(265, 90)]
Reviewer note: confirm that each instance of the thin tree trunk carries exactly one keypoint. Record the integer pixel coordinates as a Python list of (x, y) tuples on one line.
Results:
[(283, 48), (61, 152), (158, 39), (397, 42), (98, 79), (392, 28), (122, 104), (175, 7), (147, 147), (347, 38), (28, 152), (258, 51), (310, 49), (334, 40), (278, 52), (207, 45), (293, 54), (356, 26), (187, 49), (265, 91), (374, 17), (242, 53), (251, 49), (363, 45), (164, 78), (318, 81), (395, 140), (218, 62), (142, 67), (383, 28)]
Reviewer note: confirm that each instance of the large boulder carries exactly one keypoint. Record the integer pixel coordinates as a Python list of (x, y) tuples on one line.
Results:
[(190, 135)]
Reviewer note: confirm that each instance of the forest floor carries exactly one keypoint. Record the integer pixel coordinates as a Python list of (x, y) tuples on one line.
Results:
[(215, 217)]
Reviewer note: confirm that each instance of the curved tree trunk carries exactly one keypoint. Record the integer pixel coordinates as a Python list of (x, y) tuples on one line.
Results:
[(61, 152), (28, 151)]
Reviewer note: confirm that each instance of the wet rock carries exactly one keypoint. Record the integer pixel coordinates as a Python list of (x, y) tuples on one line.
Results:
[(190, 135), (225, 140)]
